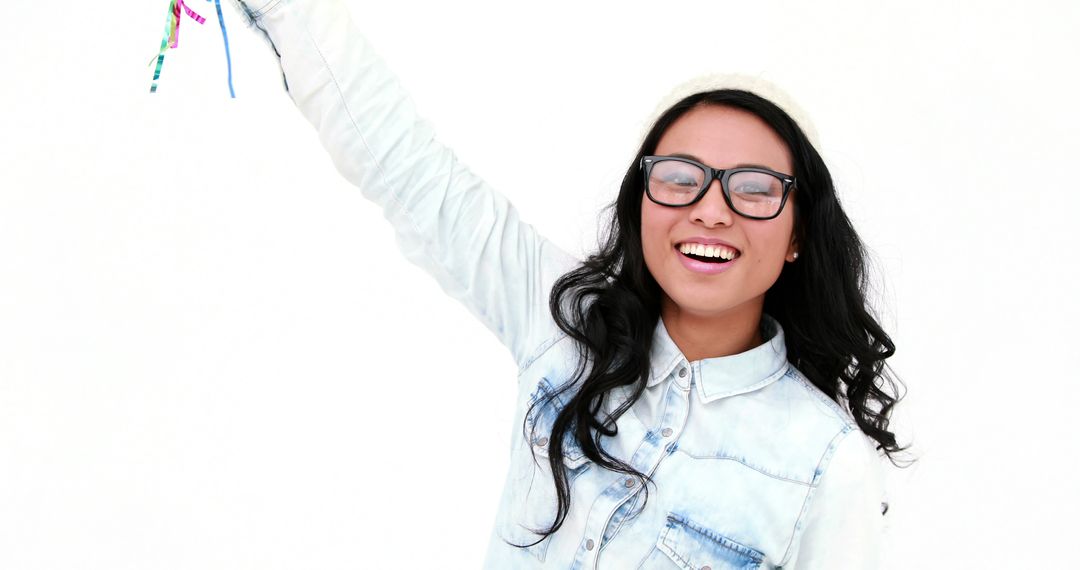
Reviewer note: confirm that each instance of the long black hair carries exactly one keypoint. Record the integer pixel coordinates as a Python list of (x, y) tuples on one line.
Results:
[(610, 306)]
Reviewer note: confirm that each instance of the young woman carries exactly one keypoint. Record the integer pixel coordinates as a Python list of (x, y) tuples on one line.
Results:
[(707, 390)]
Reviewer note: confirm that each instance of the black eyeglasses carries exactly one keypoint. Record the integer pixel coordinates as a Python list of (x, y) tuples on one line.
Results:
[(751, 192)]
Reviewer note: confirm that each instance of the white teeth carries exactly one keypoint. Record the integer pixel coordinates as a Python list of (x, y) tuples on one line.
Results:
[(707, 250)]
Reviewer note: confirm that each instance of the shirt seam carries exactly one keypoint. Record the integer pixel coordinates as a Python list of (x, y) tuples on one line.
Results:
[(747, 465), (539, 351), (829, 403), (823, 464)]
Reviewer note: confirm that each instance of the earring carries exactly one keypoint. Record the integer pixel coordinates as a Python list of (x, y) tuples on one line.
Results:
[(795, 256)]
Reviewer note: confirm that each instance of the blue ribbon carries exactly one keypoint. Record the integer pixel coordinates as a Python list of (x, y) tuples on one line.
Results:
[(224, 36)]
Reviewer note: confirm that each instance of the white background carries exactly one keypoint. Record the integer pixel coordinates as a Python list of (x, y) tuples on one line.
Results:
[(212, 355)]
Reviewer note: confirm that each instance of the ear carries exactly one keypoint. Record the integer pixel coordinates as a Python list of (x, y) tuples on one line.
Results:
[(793, 250)]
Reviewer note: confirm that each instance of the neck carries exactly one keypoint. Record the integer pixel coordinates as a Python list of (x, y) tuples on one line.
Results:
[(700, 336)]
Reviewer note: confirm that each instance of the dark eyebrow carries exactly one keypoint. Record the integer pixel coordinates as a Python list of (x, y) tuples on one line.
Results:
[(740, 165)]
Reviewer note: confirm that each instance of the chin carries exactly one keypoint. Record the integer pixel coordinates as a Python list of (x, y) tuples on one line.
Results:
[(696, 305)]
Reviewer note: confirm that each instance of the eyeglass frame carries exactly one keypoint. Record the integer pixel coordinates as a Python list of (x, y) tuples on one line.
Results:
[(722, 174)]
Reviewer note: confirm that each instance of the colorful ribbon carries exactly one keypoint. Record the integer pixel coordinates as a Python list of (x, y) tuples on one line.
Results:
[(224, 36), (176, 20), (164, 45), (172, 36)]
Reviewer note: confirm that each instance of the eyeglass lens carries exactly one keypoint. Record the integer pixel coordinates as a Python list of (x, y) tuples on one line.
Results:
[(752, 193)]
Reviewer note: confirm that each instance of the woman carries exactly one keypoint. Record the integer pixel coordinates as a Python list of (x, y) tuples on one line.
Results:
[(706, 391)]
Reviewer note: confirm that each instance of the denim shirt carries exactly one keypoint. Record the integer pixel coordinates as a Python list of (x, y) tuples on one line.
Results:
[(752, 466)]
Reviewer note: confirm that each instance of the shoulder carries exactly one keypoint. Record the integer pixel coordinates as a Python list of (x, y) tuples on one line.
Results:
[(796, 428), (814, 405), (842, 449), (796, 400)]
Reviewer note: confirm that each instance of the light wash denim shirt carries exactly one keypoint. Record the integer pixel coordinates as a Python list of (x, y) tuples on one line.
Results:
[(753, 466)]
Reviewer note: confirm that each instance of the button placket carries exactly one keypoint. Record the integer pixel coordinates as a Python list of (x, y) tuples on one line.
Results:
[(622, 493), (675, 415)]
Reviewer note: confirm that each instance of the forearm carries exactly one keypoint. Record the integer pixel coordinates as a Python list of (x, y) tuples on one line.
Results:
[(447, 219)]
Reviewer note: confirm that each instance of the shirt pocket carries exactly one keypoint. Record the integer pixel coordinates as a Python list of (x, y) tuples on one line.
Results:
[(533, 499), (539, 423), (690, 546)]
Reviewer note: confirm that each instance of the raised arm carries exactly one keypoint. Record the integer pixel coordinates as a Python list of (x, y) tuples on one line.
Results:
[(447, 220)]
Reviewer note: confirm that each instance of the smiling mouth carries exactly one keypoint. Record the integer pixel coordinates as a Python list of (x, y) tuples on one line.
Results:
[(708, 254)]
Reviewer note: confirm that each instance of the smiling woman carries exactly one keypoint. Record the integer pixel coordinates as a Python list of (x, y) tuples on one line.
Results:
[(707, 389), (697, 304), (784, 356)]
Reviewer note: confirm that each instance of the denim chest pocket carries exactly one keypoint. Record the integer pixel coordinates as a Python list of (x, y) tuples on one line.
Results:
[(539, 423), (690, 546), (534, 500)]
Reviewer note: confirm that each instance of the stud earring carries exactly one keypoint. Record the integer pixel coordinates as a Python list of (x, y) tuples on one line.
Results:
[(795, 256)]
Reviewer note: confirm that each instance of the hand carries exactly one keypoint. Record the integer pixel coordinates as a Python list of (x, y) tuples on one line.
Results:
[(250, 11)]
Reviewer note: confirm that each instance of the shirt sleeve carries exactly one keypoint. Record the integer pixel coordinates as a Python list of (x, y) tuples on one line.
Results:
[(446, 219), (844, 523)]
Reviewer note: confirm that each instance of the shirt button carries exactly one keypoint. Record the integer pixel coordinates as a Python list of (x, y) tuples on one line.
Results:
[(589, 544), (706, 567), (682, 373), (630, 482), (666, 432), (542, 441)]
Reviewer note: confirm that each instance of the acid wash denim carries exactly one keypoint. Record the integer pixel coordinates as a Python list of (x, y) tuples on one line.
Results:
[(753, 466)]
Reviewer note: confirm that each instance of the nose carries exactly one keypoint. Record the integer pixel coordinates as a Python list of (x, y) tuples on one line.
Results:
[(712, 210)]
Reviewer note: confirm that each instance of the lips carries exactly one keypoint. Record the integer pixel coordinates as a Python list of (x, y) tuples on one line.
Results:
[(708, 266)]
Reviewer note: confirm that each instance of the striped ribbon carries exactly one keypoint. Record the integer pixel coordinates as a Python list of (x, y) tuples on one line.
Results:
[(172, 35), (174, 23), (169, 23)]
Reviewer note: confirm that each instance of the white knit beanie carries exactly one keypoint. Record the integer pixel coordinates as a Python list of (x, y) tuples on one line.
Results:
[(755, 85)]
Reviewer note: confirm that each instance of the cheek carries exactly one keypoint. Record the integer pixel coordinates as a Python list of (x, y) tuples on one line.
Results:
[(771, 243)]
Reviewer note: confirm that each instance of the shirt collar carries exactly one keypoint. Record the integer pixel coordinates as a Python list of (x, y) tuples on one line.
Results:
[(723, 376)]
